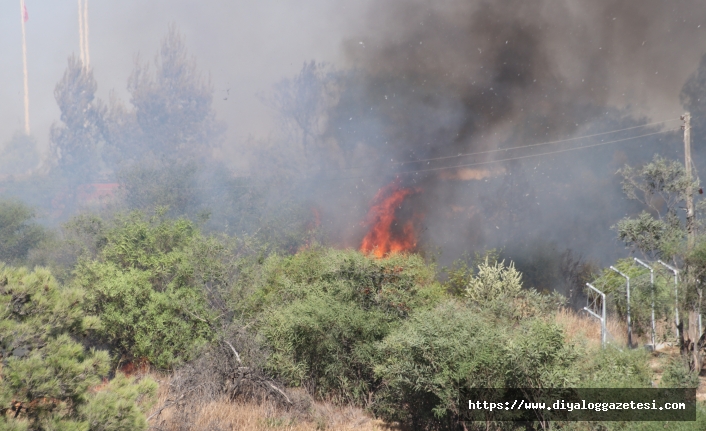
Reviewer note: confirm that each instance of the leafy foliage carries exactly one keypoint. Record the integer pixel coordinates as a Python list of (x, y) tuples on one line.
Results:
[(494, 281), (120, 405), (173, 104), (615, 368), (437, 353), (149, 185), (677, 374), (143, 288), (640, 293), (326, 345), (661, 185), (76, 144), (324, 310), (47, 374), (19, 155), (302, 103)]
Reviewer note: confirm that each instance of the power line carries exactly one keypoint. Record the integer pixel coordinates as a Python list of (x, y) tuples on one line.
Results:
[(576, 138), (538, 144), (466, 165), (541, 154)]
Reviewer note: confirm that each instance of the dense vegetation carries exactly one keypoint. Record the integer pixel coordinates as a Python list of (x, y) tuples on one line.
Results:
[(237, 285), (383, 334)]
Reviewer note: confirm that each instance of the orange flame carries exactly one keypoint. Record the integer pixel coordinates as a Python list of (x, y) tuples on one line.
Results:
[(381, 239)]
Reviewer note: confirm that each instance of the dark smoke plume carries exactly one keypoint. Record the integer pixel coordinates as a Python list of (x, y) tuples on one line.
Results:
[(434, 80)]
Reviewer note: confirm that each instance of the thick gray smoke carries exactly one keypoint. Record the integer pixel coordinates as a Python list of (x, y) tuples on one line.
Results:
[(433, 80)]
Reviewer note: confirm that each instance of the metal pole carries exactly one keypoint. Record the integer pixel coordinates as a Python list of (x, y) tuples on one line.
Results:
[(652, 285), (23, 17), (602, 318), (690, 225), (676, 297), (604, 322), (628, 308)]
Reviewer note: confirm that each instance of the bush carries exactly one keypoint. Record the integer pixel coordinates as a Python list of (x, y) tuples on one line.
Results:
[(143, 287), (80, 239), (327, 346), (120, 405), (494, 281), (395, 285), (615, 368), (47, 376), (677, 374), (498, 288), (437, 353), (322, 311)]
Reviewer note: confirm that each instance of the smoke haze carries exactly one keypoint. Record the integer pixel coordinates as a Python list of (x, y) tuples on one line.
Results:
[(409, 89)]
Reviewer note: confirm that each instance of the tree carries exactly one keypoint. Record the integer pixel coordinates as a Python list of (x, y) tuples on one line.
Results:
[(302, 102), (173, 104), (77, 143), (662, 186)]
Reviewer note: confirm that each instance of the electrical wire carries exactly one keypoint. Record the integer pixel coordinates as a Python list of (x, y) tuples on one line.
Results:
[(539, 144), (466, 165)]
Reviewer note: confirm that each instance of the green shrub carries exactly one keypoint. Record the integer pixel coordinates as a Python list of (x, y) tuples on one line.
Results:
[(326, 345), (494, 281), (677, 375), (322, 311), (144, 289), (615, 368), (120, 405), (435, 354), (395, 285), (47, 375)]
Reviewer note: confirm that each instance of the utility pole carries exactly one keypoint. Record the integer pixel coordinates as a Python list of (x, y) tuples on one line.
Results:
[(83, 33), (695, 309), (690, 228)]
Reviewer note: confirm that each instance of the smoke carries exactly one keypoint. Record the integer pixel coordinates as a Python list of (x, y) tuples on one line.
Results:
[(430, 82), (437, 96)]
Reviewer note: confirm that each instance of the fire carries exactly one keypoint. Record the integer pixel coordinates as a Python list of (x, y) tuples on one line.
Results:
[(384, 236)]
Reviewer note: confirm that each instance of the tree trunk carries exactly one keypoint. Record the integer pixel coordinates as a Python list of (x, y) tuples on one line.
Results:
[(694, 348)]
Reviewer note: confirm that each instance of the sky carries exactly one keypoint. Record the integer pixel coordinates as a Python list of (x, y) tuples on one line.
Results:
[(245, 46), (248, 46)]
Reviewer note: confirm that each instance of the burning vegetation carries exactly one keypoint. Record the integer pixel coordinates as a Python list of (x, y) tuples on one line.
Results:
[(391, 230)]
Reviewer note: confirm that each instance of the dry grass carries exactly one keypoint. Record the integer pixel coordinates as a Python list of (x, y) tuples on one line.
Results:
[(580, 327), (226, 415)]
